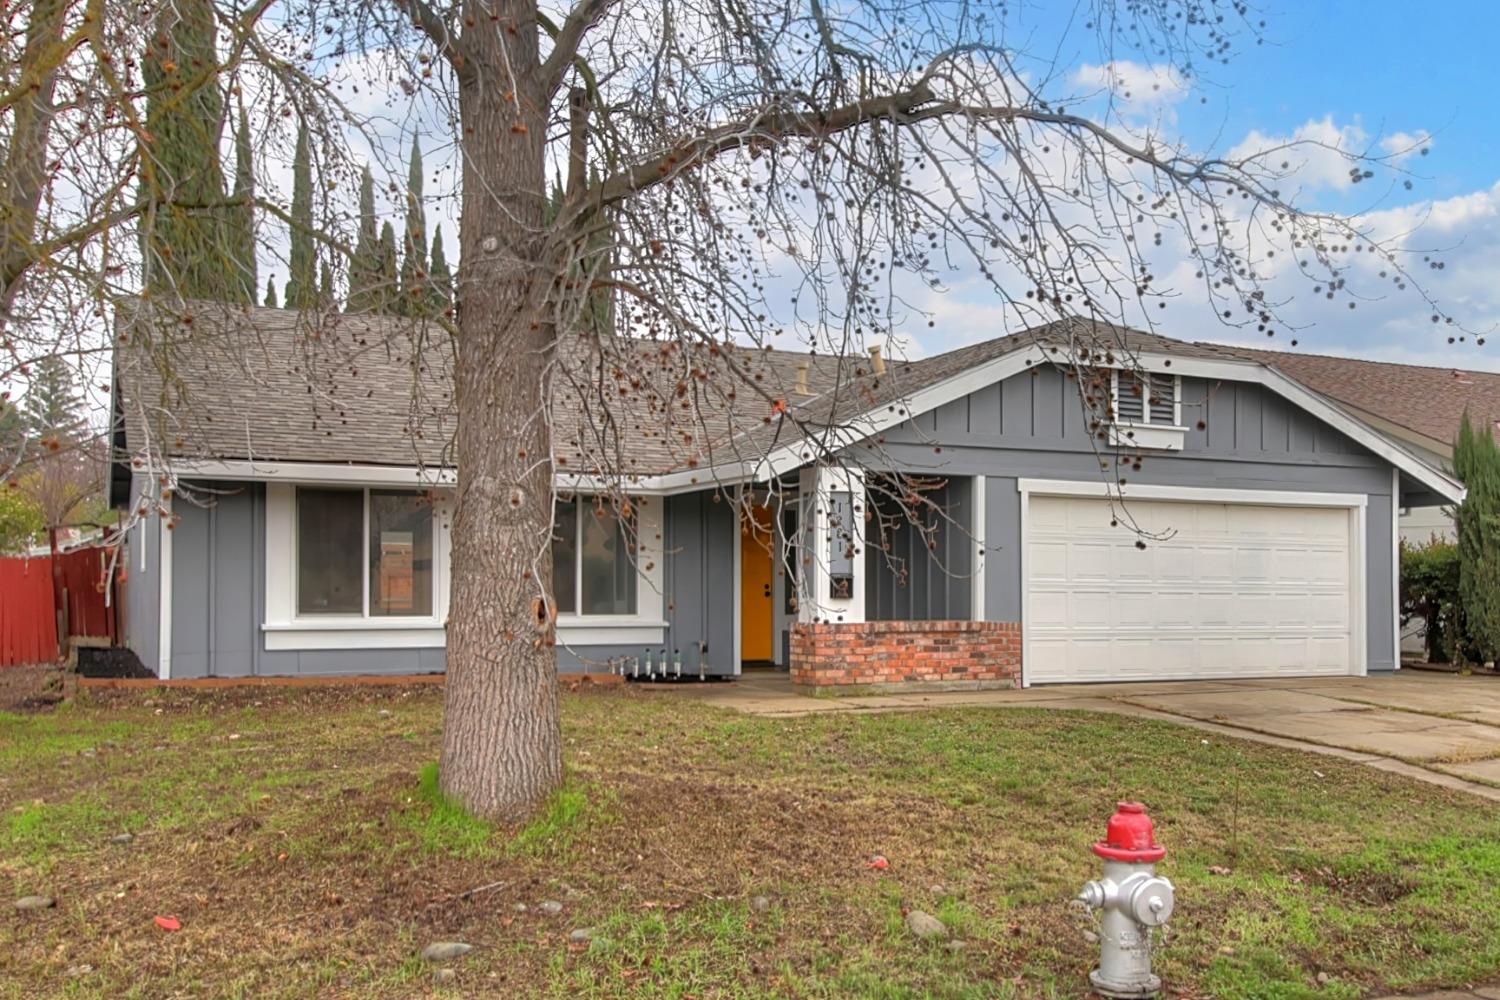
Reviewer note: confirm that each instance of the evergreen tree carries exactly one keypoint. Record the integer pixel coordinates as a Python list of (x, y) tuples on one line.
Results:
[(327, 293), (240, 225), (271, 293), (364, 269), (441, 277), (414, 293), (302, 262), (387, 291), (12, 435), (597, 314), (52, 407), (183, 241), (1476, 460)]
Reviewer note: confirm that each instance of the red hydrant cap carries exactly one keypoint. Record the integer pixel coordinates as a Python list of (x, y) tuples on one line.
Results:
[(1130, 836)]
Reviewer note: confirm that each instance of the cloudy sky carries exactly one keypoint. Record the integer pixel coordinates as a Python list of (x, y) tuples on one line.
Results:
[(1382, 75)]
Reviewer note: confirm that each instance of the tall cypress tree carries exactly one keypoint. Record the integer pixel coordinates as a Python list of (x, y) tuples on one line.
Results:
[(364, 269), (442, 278), (1476, 459), (240, 225), (271, 293), (302, 262), (387, 292), (414, 292), (182, 240)]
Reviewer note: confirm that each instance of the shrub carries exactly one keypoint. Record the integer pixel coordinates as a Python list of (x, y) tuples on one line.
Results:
[(1429, 591)]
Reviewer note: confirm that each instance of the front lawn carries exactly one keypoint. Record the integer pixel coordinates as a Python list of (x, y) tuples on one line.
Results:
[(297, 836)]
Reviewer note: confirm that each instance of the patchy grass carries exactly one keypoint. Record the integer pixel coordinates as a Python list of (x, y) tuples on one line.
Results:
[(446, 826), (301, 838)]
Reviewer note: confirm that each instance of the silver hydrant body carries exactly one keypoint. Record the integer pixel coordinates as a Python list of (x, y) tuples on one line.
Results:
[(1132, 900)]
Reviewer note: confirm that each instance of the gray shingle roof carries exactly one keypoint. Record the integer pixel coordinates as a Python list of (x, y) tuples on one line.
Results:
[(234, 382), (1428, 401)]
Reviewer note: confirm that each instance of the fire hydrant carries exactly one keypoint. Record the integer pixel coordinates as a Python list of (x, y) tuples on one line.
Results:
[(1133, 898)]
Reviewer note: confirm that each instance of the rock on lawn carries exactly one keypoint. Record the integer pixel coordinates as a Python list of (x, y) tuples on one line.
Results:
[(926, 926), (442, 951)]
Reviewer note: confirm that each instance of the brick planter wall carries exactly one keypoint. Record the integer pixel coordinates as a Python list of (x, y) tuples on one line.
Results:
[(835, 658)]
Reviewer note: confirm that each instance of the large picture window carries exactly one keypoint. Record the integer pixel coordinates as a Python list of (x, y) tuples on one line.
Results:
[(364, 553), (592, 569)]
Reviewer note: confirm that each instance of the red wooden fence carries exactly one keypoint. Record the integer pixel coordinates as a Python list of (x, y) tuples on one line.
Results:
[(28, 630)]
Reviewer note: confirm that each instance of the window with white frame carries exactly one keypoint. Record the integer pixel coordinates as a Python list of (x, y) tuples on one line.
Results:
[(1150, 398), (365, 553), (593, 569)]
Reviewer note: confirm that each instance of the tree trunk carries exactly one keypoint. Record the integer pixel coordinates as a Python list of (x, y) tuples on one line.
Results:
[(502, 746), (23, 166), (59, 604)]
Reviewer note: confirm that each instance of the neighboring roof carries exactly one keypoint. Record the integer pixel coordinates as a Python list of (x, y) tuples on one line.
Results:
[(1427, 401), (251, 384)]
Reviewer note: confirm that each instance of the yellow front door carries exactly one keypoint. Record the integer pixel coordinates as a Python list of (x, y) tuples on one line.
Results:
[(757, 577)]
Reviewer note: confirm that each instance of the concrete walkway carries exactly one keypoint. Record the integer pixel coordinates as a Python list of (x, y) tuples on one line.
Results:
[(1439, 728)]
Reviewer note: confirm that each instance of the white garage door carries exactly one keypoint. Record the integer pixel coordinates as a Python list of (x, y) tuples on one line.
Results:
[(1237, 590)]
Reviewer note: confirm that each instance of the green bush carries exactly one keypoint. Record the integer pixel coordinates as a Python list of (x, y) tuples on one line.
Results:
[(1429, 592)]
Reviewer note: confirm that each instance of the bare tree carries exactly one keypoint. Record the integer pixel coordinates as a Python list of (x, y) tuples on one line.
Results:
[(651, 193)]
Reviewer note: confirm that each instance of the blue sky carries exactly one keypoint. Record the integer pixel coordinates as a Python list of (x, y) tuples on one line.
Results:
[(1394, 66), (1357, 71), (1367, 71)]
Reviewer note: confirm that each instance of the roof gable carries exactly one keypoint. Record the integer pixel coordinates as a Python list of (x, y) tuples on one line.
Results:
[(1427, 402)]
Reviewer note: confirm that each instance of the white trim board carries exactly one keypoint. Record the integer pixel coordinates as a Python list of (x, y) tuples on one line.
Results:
[(164, 592), (1356, 503), (1396, 568), (979, 532), (1188, 494)]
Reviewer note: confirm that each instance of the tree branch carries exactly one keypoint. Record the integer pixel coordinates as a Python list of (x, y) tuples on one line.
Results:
[(430, 23), (766, 125), (566, 40)]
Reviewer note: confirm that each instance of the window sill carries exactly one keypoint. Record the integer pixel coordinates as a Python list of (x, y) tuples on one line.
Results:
[(608, 621), (1161, 437), (355, 633), (335, 623), (610, 630)]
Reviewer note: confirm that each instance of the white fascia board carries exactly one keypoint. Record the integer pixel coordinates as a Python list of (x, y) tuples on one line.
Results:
[(1190, 494), (314, 472)]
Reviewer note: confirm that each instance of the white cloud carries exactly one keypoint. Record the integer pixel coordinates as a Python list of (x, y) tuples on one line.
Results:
[(1136, 88), (1402, 146), (1318, 154)]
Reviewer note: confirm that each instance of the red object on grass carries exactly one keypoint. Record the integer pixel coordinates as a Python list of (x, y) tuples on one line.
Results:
[(169, 923), (878, 862), (1130, 836)]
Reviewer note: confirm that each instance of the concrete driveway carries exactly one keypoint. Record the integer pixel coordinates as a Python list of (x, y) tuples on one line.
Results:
[(1439, 728), (1444, 722)]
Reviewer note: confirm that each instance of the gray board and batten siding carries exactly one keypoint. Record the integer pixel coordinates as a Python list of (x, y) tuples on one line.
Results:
[(1033, 425), (218, 596)]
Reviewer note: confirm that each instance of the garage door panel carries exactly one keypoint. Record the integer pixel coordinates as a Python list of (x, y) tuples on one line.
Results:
[(1049, 560), (1049, 609), (1231, 591)]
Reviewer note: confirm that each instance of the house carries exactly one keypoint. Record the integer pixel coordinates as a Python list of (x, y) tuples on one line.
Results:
[(1416, 405), (1078, 502)]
